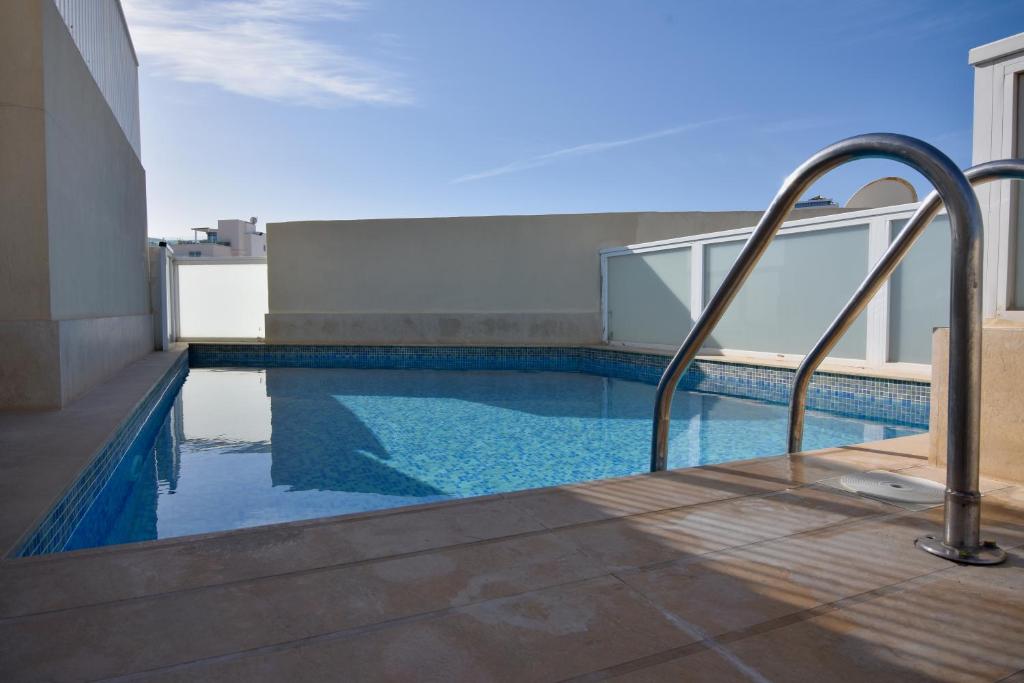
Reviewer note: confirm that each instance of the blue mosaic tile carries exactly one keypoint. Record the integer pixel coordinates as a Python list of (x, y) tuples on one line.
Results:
[(898, 401)]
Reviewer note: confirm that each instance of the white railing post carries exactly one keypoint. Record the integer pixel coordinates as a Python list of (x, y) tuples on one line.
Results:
[(696, 281), (877, 312), (164, 299)]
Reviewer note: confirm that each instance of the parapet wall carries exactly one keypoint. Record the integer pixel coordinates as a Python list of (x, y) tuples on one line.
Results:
[(471, 280)]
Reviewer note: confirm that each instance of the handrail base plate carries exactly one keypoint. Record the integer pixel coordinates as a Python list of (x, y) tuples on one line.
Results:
[(987, 553)]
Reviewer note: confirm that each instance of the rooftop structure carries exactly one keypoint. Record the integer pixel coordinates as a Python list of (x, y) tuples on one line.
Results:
[(816, 202)]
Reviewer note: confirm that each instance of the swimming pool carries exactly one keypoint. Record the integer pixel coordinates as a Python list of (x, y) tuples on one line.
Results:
[(251, 441), (241, 447)]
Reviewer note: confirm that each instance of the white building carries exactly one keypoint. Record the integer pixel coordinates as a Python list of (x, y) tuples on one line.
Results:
[(232, 238), (242, 237)]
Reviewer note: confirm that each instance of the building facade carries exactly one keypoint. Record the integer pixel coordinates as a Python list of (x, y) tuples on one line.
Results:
[(74, 304)]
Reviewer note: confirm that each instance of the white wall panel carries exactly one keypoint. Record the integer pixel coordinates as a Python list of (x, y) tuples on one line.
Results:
[(99, 30), (221, 300), (649, 297)]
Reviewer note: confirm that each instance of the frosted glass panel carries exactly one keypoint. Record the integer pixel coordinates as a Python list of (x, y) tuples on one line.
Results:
[(798, 287), (222, 300), (919, 294), (649, 297)]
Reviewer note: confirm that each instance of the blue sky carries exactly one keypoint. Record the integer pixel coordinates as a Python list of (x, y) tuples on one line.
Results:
[(328, 109)]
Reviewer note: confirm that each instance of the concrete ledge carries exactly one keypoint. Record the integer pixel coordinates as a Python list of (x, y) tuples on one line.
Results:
[(460, 329)]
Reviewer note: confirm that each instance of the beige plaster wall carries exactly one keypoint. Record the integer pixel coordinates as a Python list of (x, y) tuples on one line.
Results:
[(73, 273), (92, 349), (95, 190), (482, 264), (24, 258), (1002, 410), (470, 280), (29, 364), (488, 279)]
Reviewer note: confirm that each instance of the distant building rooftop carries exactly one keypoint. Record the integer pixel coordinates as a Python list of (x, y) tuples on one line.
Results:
[(816, 202)]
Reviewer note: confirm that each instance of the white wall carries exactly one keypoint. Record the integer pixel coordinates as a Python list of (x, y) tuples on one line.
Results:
[(221, 299), (99, 30), (999, 134)]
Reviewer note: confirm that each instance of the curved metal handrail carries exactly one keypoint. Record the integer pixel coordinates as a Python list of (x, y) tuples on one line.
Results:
[(1006, 169), (963, 501)]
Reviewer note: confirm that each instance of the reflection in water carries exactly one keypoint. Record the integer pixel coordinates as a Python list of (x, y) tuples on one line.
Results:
[(247, 447)]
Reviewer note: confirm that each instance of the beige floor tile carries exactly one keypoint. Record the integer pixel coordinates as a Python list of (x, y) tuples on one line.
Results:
[(1011, 498), (932, 632), (740, 588), (118, 638), (998, 523), (705, 666), (62, 581), (685, 532), (795, 470), (676, 488), (544, 636), (938, 475)]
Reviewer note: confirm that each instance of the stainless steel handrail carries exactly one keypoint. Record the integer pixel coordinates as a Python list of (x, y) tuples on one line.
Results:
[(1006, 169), (964, 401)]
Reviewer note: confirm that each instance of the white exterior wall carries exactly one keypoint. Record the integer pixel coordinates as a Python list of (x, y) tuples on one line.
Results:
[(100, 32), (245, 240), (186, 250), (998, 72)]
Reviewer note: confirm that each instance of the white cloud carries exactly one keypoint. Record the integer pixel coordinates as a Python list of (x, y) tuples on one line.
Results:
[(586, 149), (258, 48)]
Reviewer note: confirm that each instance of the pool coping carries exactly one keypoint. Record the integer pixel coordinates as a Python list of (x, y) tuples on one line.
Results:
[(911, 448), (45, 453)]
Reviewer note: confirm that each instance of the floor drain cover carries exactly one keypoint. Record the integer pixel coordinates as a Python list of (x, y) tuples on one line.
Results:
[(894, 488)]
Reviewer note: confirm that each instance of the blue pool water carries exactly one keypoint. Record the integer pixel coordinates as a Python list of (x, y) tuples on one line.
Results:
[(244, 447)]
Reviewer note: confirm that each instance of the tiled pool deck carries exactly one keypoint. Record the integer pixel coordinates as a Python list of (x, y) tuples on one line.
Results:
[(746, 571)]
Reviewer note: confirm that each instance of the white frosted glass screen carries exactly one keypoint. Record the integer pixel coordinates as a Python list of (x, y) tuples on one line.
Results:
[(919, 294), (798, 287), (649, 297), (222, 300)]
